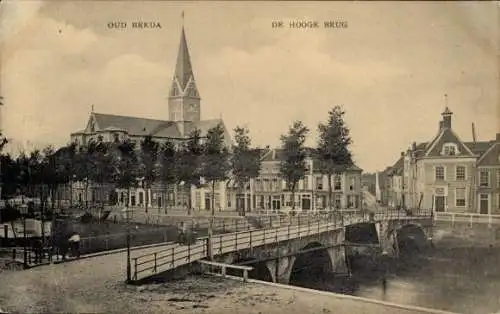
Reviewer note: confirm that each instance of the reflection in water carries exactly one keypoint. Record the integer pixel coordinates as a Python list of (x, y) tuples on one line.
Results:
[(463, 280)]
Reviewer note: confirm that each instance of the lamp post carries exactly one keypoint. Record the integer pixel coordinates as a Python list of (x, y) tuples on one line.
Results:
[(129, 270), (25, 239)]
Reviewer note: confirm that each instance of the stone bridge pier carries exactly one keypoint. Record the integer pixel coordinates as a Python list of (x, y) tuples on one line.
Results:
[(322, 253)]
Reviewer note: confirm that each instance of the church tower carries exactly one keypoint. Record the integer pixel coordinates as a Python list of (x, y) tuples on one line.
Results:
[(184, 100)]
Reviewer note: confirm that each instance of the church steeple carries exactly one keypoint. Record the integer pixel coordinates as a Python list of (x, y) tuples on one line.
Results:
[(184, 100), (183, 68)]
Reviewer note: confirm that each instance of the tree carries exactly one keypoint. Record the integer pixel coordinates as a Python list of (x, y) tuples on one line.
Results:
[(149, 164), (189, 162), (100, 163), (83, 166), (293, 166), (333, 147), (245, 161), (126, 169), (215, 167), (168, 161)]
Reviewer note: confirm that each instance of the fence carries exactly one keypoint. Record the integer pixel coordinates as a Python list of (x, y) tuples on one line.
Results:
[(149, 264), (470, 218)]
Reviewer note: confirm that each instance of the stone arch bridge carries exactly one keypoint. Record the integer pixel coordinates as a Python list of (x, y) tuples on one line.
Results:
[(277, 253)]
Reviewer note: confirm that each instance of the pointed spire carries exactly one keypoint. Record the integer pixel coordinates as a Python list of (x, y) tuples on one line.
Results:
[(183, 69)]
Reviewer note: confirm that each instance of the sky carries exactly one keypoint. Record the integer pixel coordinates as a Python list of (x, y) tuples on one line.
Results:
[(389, 68)]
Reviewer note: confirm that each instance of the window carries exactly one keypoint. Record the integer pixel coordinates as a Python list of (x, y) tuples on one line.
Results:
[(319, 183), (306, 183), (460, 197), (449, 149), (266, 186), (337, 201), (275, 185), (460, 173), (350, 201), (337, 184), (258, 185), (353, 184), (116, 137), (484, 179), (439, 173)]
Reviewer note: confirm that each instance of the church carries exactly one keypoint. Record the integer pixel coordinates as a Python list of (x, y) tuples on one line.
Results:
[(184, 115)]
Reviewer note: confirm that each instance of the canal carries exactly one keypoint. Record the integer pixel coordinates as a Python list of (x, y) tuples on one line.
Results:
[(461, 280)]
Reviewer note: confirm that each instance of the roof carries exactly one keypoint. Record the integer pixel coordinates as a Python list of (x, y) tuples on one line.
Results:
[(478, 148), (183, 68), (397, 168), (447, 136), (491, 156), (277, 154), (136, 126)]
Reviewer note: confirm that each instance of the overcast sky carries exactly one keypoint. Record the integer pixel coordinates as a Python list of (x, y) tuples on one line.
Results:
[(389, 68)]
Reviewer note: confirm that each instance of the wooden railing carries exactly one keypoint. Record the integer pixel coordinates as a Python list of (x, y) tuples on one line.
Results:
[(470, 218), (223, 267), (162, 260)]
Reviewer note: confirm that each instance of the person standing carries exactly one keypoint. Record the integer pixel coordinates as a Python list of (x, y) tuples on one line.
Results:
[(74, 242)]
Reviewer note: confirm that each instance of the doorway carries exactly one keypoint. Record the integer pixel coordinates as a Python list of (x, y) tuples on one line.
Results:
[(439, 203), (484, 204)]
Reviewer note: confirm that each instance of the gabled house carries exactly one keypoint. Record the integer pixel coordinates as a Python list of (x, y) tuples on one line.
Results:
[(442, 173), (394, 183), (488, 179)]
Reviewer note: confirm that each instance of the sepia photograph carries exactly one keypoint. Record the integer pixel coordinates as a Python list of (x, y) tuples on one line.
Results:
[(300, 157)]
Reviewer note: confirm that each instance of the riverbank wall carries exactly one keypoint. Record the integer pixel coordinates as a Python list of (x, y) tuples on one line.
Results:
[(465, 234)]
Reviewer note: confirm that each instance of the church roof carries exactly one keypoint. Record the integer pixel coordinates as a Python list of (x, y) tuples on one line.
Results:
[(183, 68), (136, 126)]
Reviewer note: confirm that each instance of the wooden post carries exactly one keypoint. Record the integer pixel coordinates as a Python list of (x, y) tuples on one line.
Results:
[(245, 275)]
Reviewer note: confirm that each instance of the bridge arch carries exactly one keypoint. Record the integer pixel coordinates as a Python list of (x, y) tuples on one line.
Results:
[(260, 270), (312, 265), (410, 238)]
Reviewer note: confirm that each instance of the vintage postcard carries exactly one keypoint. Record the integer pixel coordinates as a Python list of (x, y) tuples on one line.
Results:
[(249, 157)]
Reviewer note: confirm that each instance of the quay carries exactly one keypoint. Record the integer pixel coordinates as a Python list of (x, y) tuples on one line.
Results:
[(96, 286)]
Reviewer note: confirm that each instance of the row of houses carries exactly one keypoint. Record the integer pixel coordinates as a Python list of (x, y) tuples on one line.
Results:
[(447, 174), (267, 192)]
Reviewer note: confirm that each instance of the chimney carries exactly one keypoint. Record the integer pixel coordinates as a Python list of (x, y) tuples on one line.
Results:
[(447, 118), (414, 146), (498, 137), (402, 154), (474, 133)]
